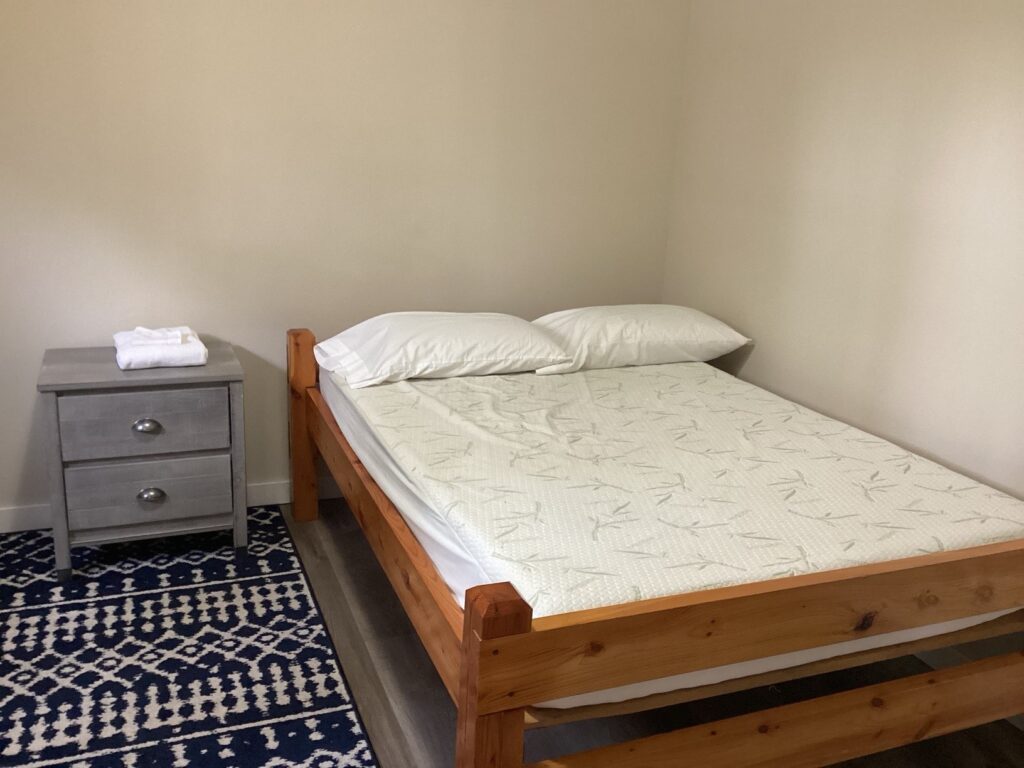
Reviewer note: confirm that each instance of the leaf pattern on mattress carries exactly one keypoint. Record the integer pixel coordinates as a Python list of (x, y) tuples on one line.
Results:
[(608, 486)]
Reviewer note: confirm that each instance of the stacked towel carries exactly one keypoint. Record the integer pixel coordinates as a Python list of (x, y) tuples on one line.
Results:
[(159, 348)]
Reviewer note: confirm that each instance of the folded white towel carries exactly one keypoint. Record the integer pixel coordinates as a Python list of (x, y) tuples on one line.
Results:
[(159, 348), (143, 336)]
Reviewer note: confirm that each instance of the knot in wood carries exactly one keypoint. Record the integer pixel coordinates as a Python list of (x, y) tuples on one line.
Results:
[(593, 648), (867, 621)]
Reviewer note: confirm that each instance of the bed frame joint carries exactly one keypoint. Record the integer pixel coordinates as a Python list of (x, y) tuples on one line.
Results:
[(492, 740)]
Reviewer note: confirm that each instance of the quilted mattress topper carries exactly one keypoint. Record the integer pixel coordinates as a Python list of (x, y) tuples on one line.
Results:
[(610, 486)]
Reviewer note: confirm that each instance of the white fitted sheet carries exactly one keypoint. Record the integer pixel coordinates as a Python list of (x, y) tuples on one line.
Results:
[(608, 486)]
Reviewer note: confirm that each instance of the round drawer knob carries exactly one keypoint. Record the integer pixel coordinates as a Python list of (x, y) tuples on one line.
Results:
[(151, 495), (147, 426)]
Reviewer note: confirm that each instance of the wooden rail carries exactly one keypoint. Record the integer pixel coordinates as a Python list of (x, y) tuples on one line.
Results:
[(825, 730), (431, 608), (427, 600), (543, 717), (659, 638)]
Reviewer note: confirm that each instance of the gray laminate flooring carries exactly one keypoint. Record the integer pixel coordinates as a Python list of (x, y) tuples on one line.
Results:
[(411, 720)]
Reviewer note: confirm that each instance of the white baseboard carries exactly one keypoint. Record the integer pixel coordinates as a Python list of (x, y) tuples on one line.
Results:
[(272, 492), (32, 516), (25, 518)]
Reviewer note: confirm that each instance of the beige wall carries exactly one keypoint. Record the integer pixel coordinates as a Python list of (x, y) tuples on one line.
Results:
[(850, 192), (843, 180), (247, 167)]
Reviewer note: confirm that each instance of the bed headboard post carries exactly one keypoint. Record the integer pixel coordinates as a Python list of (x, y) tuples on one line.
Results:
[(494, 740), (302, 374), (302, 371)]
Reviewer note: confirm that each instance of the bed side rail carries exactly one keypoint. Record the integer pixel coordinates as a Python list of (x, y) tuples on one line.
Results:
[(430, 605)]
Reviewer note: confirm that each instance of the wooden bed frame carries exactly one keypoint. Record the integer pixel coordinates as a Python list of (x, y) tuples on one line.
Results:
[(497, 662)]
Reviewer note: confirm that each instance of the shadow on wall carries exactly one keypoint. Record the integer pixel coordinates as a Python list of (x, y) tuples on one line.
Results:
[(34, 457), (264, 382), (733, 362)]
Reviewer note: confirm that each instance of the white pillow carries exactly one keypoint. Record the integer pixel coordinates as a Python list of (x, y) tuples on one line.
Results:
[(436, 345), (637, 334)]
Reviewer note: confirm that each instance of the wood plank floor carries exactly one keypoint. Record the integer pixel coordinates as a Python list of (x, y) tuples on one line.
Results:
[(411, 720)]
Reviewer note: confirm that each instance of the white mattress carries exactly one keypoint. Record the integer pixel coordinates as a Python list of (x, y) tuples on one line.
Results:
[(609, 486)]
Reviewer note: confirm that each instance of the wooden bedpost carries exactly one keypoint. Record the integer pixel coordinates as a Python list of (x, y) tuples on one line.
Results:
[(301, 376), (495, 740)]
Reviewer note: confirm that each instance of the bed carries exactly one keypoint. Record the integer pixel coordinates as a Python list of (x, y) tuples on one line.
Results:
[(609, 541)]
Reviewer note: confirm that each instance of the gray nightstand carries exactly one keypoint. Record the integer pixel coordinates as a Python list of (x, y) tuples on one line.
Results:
[(141, 454)]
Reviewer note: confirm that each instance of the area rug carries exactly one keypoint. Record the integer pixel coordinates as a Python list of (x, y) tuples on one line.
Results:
[(170, 653)]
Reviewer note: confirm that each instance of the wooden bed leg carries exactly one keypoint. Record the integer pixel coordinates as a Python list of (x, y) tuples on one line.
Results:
[(301, 376), (495, 740)]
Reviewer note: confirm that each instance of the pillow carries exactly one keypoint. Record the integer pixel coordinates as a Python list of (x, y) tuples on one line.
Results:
[(436, 345), (637, 334)]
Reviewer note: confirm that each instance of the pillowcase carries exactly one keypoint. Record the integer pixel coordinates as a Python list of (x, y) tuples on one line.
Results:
[(637, 334), (436, 345)]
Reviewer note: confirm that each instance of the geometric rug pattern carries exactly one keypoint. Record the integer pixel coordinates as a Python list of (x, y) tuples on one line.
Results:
[(173, 653)]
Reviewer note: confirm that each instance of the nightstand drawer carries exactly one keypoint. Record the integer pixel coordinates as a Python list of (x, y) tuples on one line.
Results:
[(134, 492), (111, 424)]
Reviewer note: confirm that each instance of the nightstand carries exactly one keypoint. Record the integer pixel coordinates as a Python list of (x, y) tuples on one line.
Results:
[(142, 454)]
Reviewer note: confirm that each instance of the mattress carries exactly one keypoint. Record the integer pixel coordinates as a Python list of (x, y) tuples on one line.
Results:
[(610, 486)]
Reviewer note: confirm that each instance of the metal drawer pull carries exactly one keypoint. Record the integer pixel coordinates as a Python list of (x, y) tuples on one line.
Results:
[(147, 426), (151, 495)]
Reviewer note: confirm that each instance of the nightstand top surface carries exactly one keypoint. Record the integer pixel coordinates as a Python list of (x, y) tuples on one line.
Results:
[(95, 368)]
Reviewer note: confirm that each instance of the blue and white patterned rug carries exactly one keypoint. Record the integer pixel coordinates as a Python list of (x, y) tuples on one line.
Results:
[(170, 653)]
